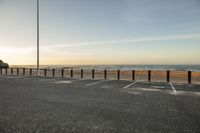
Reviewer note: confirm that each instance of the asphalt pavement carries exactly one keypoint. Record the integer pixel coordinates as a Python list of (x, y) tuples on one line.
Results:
[(56, 105)]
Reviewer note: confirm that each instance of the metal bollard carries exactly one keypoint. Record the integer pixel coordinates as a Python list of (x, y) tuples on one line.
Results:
[(31, 71), (118, 74), (53, 72), (149, 75), (24, 70), (93, 73), (133, 74), (105, 74), (62, 73), (81, 73), (72, 73), (189, 77), (45, 72), (168, 76), (11, 71)]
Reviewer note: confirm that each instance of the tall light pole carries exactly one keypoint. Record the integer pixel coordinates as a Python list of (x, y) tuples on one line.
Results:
[(38, 41)]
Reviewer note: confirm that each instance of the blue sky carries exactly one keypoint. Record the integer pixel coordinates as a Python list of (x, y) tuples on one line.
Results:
[(101, 31)]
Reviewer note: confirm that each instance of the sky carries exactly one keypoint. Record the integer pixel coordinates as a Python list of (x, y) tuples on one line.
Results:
[(101, 32)]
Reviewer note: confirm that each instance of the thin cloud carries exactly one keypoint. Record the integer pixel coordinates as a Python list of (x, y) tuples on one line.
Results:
[(64, 53), (133, 40)]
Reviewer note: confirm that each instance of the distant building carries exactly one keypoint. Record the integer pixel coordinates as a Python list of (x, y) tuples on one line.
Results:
[(3, 65)]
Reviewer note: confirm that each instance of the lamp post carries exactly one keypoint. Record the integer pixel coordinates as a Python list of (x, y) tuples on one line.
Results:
[(38, 41)]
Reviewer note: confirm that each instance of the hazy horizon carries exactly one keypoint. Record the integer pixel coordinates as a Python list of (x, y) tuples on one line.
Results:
[(106, 64), (74, 32)]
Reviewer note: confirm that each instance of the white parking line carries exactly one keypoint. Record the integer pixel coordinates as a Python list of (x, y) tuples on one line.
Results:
[(81, 79), (129, 85), (173, 87), (94, 83), (158, 87)]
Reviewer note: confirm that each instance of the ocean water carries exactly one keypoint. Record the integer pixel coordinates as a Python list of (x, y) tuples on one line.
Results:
[(120, 67)]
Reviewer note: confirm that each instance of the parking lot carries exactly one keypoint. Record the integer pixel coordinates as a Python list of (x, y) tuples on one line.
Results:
[(29, 104)]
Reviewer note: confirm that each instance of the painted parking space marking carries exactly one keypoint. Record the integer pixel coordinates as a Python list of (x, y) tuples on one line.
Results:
[(158, 87), (63, 82), (94, 83), (172, 87), (125, 87), (81, 79)]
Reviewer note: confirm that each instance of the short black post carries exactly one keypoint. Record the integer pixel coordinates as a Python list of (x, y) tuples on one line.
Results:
[(6, 71), (72, 73), (53, 72), (133, 74), (31, 71), (189, 77), (93, 73), (1, 71), (17, 71), (11, 71), (45, 72), (105, 74), (62, 73), (168, 76), (24, 70), (118, 74), (81, 73), (149, 75)]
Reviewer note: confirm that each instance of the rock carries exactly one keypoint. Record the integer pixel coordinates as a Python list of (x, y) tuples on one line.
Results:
[(3, 65)]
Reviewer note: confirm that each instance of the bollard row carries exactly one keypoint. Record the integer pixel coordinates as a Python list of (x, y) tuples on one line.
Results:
[(149, 74)]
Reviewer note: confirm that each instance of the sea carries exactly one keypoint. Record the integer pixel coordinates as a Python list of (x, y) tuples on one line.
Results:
[(118, 67)]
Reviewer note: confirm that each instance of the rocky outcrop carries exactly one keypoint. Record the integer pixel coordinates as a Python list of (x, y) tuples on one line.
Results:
[(3, 65)]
